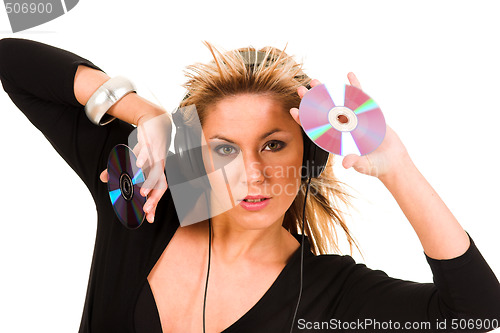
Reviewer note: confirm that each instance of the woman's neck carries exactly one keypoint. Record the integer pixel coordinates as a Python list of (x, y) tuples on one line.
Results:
[(232, 246)]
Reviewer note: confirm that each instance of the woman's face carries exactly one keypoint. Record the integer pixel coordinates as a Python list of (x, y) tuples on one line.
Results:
[(253, 148)]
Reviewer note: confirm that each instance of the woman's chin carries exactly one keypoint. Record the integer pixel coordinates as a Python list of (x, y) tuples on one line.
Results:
[(256, 220)]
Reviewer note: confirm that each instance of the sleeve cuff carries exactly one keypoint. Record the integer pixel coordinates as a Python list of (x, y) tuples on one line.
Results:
[(457, 261)]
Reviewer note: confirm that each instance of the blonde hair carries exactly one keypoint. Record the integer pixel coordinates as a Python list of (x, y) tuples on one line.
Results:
[(278, 76)]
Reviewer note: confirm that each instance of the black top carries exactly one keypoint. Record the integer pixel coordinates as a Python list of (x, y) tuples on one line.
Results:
[(337, 291)]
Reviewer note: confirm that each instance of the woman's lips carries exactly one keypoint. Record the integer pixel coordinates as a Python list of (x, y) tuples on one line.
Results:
[(261, 202)]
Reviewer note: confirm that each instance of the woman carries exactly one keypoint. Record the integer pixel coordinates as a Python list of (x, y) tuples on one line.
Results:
[(139, 284)]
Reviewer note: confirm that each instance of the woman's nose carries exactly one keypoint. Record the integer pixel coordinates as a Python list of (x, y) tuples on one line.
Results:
[(254, 170)]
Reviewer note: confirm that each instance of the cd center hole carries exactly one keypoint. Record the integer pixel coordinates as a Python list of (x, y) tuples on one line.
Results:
[(343, 119), (126, 187)]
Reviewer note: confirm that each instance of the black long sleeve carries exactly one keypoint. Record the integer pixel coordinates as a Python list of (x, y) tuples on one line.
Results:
[(39, 80), (465, 291)]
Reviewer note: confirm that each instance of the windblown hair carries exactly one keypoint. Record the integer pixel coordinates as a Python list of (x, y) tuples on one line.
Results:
[(278, 76)]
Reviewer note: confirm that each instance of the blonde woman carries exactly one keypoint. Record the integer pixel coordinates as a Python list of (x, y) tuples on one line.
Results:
[(154, 279)]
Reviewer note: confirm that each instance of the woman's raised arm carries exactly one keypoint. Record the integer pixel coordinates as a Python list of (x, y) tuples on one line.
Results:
[(39, 79), (51, 86)]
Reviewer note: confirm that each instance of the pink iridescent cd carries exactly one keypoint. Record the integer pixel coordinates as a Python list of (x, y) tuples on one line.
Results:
[(355, 126)]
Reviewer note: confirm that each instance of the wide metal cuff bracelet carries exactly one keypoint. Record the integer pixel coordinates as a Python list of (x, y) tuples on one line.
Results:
[(105, 97)]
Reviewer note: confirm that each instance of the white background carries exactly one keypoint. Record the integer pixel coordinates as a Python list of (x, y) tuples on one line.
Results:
[(433, 67)]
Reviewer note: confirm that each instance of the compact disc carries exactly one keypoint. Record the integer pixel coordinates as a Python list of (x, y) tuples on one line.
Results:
[(355, 126), (124, 183)]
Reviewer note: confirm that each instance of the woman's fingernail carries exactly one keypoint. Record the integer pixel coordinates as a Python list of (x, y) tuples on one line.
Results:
[(152, 219)]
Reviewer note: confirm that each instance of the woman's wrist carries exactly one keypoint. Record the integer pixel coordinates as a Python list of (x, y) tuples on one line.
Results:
[(396, 172), (133, 109)]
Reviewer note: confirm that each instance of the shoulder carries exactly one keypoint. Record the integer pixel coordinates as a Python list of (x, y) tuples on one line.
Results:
[(340, 271), (333, 263), (327, 262)]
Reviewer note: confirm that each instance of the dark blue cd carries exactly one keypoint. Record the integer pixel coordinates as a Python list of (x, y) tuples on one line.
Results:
[(124, 183)]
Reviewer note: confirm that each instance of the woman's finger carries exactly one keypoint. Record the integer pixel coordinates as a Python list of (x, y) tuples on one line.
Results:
[(314, 83), (137, 149), (104, 176), (353, 80), (301, 91), (153, 199), (152, 202), (295, 114), (349, 160), (154, 178)]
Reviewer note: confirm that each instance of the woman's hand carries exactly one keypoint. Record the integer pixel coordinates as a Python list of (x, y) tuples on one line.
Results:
[(153, 140), (380, 163)]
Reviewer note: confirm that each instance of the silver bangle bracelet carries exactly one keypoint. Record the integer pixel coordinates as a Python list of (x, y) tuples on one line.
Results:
[(105, 97)]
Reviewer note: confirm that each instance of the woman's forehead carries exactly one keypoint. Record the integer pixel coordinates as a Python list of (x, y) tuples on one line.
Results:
[(246, 110)]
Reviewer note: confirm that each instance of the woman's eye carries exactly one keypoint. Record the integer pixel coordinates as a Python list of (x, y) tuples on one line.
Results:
[(276, 145), (225, 150)]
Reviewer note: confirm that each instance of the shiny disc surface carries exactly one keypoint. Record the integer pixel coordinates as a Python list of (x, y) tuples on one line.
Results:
[(124, 183), (355, 126)]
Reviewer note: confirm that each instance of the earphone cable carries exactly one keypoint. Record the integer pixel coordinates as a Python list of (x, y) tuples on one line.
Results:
[(301, 255), (208, 268)]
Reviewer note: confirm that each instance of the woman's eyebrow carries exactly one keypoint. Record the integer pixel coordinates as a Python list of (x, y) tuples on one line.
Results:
[(263, 136)]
